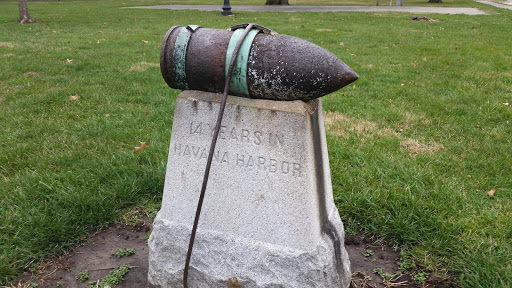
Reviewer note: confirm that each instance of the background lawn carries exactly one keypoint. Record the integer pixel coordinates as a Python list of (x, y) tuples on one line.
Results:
[(416, 146)]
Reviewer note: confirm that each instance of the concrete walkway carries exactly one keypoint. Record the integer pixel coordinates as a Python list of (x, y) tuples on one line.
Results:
[(504, 5), (234, 8)]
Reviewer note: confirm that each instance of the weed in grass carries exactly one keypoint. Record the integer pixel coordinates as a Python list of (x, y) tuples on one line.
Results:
[(384, 275), (114, 277), (134, 215), (420, 277), (82, 276), (147, 235), (124, 252), (368, 253), (152, 209), (407, 265)]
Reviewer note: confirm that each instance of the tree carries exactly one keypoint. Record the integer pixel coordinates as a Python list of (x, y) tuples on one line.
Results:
[(277, 2), (24, 15)]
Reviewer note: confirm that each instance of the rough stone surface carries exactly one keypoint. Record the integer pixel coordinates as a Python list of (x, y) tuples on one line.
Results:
[(268, 218)]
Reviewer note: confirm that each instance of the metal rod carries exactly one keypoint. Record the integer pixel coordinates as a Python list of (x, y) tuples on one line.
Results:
[(210, 155)]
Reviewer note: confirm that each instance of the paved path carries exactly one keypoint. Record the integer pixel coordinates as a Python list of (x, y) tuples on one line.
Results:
[(505, 5), (234, 8)]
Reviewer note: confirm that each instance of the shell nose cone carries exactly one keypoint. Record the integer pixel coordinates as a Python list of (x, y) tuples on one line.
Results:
[(336, 74), (345, 74), (284, 67)]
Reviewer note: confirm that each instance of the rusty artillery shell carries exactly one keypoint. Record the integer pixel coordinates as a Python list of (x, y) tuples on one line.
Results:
[(268, 66)]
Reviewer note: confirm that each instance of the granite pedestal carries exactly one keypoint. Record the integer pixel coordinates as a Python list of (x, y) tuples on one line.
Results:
[(268, 218)]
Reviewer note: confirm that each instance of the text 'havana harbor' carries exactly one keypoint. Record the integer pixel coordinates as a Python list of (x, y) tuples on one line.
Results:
[(240, 160)]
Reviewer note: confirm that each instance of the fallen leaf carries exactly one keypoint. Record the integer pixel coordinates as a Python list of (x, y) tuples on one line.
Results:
[(100, 31), (54, 31), (69, 60), (415, 63), (143, 145), (100, 40), (145, 42), (74, 97), (402, 84), (506, 104), (107, 115), (342, 44), (491, 192), (54, 167)]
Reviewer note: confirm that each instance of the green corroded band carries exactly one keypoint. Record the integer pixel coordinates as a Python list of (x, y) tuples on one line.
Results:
[(238, 82), (179, 55)]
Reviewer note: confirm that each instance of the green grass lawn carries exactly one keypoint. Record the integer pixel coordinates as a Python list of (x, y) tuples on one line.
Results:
[(415, 145)]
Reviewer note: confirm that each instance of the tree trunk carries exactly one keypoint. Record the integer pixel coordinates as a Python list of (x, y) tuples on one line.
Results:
[(24, 15), (435, 1), (277, 2)]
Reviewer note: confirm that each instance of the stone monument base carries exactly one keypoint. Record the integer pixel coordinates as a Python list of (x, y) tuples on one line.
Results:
[(218, 257), (269, 218)]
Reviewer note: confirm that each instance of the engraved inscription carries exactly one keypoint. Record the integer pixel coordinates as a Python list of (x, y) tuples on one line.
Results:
[(238, 134), (268, 164), (240, 160)]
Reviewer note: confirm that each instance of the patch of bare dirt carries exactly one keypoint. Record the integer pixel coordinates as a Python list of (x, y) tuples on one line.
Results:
[(365, 257), (410, 120), (98, 256), (338, 124), (7, 45), (31, 74), (414, 147), (142, 66), (10, 88)]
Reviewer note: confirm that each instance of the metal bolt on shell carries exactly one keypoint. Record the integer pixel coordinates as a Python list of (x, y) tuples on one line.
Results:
[(269, 65)]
